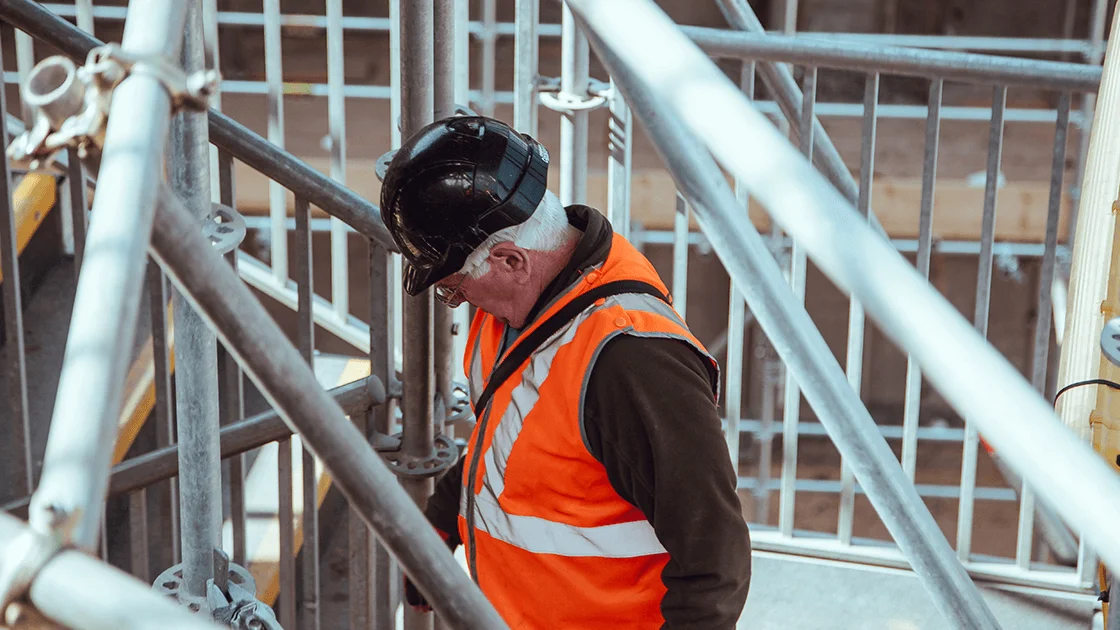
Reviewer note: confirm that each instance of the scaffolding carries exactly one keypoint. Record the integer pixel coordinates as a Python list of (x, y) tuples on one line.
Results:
[(139, 127)]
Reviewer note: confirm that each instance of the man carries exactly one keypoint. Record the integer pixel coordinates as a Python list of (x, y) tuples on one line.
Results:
[(596, 490)]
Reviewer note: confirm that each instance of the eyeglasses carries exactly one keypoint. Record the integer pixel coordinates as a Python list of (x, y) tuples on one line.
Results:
[(450, 296)]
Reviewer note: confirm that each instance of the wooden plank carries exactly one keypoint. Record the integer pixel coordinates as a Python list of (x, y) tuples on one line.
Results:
[(1093, 412), (1021, 206)]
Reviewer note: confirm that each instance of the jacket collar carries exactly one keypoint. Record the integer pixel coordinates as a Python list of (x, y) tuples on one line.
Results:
[(591, 251)]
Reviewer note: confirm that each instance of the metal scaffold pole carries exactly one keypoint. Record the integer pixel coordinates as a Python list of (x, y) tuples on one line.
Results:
[(417, 103), (196, 347), (444, 88), (84, 424), (574, 67), (525, 66)]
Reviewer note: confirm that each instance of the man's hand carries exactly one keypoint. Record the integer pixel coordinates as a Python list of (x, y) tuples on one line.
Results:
[(412, 595), (415, 598)]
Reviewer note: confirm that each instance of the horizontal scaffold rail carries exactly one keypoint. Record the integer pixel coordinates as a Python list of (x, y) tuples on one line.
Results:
[(947, 65)]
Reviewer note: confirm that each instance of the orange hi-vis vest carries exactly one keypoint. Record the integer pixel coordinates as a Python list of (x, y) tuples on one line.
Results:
[(550, 542)]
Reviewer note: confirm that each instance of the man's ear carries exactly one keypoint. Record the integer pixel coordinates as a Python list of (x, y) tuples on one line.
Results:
[(511, 258)]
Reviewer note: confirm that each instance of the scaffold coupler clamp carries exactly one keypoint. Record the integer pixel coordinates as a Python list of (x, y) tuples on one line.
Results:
[(71, 103), (20, 563)]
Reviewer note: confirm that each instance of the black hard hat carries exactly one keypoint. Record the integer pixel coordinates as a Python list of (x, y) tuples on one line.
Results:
[(452, 185)]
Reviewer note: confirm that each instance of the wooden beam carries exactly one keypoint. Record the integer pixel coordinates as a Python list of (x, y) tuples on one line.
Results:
[(1021, 207), (1093, 412)]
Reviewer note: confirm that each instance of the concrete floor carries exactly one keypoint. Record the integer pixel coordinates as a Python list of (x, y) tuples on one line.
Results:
[(792, 592)]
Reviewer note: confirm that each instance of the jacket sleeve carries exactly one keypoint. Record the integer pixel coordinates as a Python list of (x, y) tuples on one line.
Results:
[(651, 420), (442, 509)]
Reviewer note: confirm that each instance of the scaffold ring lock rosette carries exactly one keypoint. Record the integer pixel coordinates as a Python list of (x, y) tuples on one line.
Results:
[(443, 455)]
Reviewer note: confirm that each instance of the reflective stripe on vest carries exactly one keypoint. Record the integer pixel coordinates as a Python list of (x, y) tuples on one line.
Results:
[(534, 534), (538, 535)]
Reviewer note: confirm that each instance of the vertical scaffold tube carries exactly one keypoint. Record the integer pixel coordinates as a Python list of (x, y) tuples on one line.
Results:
[(417, 110), (196, 347)]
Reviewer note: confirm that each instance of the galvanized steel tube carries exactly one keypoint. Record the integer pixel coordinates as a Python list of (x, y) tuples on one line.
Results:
[(84, 425), (947, 65), (444, 78), (798, 269), (231, 390), (1051, 528), (336, 112), (84, 11), (970, 373), (680, 257), (971, 451), (574, 66), (736, 315), (912, 400), (853, 364), (277, 197), (196, 347), (303, 270), (417, 107), (237, 438), (369, 561), (489, 56), (620, 149), (525, 41), (163, 412), (444, 88)]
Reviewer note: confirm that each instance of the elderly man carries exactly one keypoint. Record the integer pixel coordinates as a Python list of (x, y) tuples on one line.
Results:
[(596, 490)]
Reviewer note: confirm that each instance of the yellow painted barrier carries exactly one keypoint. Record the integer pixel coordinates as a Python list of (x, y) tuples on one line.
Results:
[(32, 201)]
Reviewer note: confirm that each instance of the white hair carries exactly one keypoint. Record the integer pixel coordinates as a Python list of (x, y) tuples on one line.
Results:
[(546, 230)]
